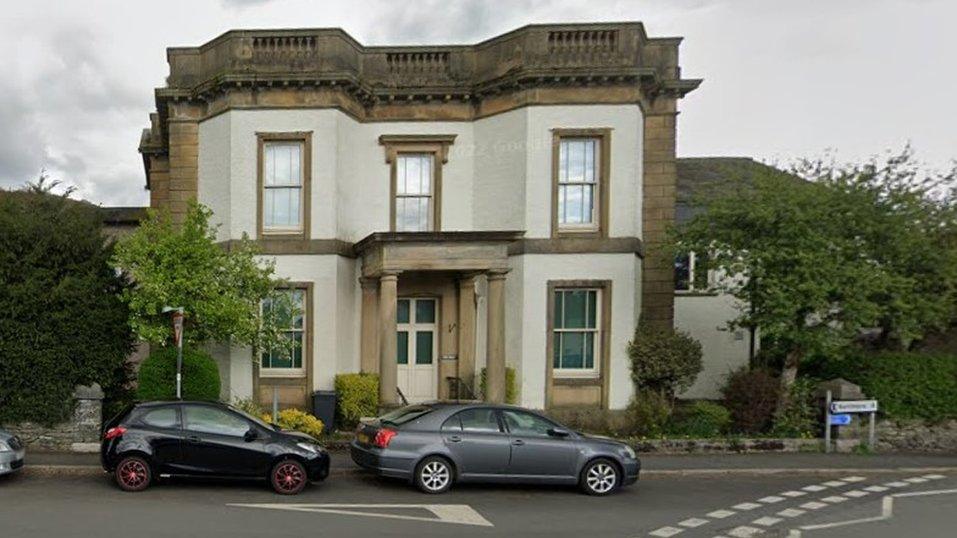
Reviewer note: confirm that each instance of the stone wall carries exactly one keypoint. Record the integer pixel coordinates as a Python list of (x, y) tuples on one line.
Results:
[(917, 436), (80, 434)]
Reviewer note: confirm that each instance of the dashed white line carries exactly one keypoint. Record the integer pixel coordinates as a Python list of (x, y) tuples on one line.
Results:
[(876, 489), (896, 484), (915, 480), (771, 499), (791, 512), (852, 479), (693, 522), (813, 505), (933, 476), (855, 494), (721, 514), (814, 488), (746, 506), (665, 532), (767, 521), (794, 493), (834, 499), (744, 532), (834, 484)]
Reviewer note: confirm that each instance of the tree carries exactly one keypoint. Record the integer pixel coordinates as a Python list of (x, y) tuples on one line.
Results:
[(62, 322), (824, 252), (663, 360), (220, 289)]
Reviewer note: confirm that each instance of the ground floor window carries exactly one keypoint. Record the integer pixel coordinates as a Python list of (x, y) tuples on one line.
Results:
[(278, 363), (576, 342)]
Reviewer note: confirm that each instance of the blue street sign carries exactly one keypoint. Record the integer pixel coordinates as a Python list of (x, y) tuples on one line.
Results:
[(840, 420)]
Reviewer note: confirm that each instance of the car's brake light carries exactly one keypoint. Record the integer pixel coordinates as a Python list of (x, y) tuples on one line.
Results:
[(113, 433), (383, 437)]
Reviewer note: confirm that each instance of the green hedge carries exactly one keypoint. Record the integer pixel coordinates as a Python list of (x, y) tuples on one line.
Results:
[(358, 397), (700, 419), (905, 384), (157, 376)]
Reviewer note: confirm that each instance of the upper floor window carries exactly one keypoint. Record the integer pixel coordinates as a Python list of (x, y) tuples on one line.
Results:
[(416, 180), (691, 272), (580, 181), (414, 207), (284, 183)]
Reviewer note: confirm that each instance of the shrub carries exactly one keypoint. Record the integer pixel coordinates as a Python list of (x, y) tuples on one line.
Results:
[(751, 396), (300, 421), (511, 389), (250, 406), (663, 360), (799, 417), (649, 411), (157, 377), (62, 323), (906, 384), (700, 419), (358, 397), (612, 422)]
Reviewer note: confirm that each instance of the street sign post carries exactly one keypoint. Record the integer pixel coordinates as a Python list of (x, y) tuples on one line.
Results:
[(854, 406), (840, 420), (838, 413), (178, 342)]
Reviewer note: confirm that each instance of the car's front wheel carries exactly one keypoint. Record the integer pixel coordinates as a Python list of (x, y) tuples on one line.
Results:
[(434, 475), (288, 477), (133, 473), (600, 477)]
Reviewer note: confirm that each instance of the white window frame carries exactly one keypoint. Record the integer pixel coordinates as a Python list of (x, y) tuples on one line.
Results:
[(595, 183), (430, 196), (285, 230), (595, 370), (709, 283), (291, 372)]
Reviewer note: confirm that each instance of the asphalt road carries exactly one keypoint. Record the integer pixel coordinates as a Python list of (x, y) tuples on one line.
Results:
[(782, 503)]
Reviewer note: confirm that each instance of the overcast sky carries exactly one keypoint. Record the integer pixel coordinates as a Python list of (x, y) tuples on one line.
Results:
[(783, 79)]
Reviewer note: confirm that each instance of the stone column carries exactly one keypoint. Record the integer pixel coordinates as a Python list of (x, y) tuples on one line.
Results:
[(369, 337), (495, 354), (388, 370), (466, 363)]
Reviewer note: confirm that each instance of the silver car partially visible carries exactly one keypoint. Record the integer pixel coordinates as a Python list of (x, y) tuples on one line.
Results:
[(12, 453)]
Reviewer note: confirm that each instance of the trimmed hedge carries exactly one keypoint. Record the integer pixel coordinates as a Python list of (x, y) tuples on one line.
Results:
[(157, 377), (358, 397), (701, 419), (905, 384)]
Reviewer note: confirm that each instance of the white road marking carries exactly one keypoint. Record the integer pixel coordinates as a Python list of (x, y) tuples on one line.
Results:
[(794, 493), (461, 514), (746, 506), (852, 479), (813, 505), (767, 521), (791, 512), (834, 499), (665, 532), (834, 484), (855, 493), (721, 514), (933, 476), (876, 489), (744, 532), (814, 488), (693, 522), (915, 480), (771, 499), (896, 484)]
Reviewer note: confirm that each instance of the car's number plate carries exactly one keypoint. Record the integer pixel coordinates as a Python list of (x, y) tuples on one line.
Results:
[(363, 438)]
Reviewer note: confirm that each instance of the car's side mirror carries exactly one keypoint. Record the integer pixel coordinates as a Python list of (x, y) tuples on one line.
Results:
[(558, 432), (250, 435)]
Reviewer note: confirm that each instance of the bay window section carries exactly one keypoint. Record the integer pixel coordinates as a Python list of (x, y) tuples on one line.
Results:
[(284, 184), (577, 183), (576, 340), (414, 188)]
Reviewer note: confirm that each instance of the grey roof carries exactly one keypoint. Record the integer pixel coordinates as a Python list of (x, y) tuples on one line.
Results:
[(696, 173)]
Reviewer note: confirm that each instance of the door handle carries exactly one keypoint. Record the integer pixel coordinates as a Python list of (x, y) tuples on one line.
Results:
[(518, 442), (193, 439), (455, 439)]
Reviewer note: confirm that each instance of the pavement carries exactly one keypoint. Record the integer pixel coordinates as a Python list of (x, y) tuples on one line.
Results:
[(794, 495)]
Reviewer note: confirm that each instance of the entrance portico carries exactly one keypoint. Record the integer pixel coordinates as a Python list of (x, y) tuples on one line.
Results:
[(442, 267)]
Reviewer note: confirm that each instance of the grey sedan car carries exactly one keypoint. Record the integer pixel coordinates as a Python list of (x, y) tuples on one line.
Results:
[(11, 453), (436, 444)]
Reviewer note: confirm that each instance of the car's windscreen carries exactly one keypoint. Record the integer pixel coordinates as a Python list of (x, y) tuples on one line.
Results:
[(405, 414), (253, 418)]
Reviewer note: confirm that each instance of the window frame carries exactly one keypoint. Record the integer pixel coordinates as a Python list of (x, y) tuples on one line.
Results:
[(435, 145), (692, 287), (600, 199), (304, 139), (583, 372), (305, 369)]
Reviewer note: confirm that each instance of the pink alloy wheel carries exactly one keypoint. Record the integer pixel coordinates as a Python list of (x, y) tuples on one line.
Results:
[(133, 474), (288, 477)]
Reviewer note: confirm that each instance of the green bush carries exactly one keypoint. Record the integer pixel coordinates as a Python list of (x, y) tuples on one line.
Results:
[(751, 396), (650, 411), (358, 397), (663, 360), (799, 417), (594, 420), (300, 421), (700, 419), (62, 323), (157, 377), (511, 389), (906, 384)]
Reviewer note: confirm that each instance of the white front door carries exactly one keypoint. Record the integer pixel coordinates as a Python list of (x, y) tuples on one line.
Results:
[(417, 347)]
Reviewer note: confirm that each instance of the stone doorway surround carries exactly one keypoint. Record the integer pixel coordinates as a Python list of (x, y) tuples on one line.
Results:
[(443, 265)]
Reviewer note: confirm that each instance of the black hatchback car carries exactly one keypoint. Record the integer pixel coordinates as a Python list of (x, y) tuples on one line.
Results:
[(179, 438)]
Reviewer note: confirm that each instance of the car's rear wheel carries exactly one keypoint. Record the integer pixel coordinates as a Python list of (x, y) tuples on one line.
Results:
[(288, 477), (133, 473), (600, 477), (433, 475)]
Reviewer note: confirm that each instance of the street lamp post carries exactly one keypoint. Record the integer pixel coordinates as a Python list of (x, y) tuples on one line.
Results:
[(178, 342)]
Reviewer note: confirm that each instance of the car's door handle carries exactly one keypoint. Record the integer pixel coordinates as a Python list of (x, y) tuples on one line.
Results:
[(193, 439), (454, 439), (518, 442)]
